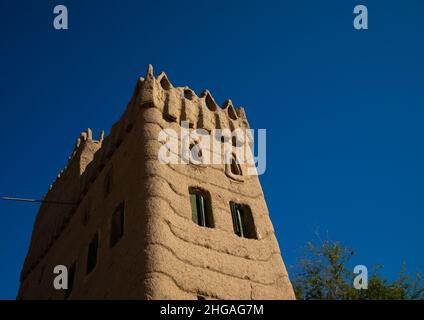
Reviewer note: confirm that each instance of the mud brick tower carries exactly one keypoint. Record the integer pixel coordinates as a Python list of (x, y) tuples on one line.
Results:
[(128, 227)]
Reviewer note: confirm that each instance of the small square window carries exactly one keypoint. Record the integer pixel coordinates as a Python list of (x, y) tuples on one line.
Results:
[(243, 221), (200, 208)]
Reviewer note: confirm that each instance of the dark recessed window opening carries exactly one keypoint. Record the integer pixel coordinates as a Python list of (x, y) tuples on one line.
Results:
[(86, 214), (92, 253), (40, 278), (232, 113), (201, 298), (129, 127), (108, 183), (117, 225), (210, 103), (235, 167), (200, 208), (243, 221), (71, 280), (168, 117), (165, 84), (195, 154), (188, 94)]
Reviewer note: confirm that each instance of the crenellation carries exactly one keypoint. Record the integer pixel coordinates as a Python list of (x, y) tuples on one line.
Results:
[(164, 81), (173, 105), (209, 100), (205, 119), (189, 113), (181, 103)]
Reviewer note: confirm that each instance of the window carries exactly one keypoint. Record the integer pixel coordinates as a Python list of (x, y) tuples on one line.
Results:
[(117, 225), (92, 253), (235, 167), (200, 208), (129, 127), (189, 94), (108, 183), (165, 84), (40, 278), (71, 278), (232, 113), (196, 155), (243, 221), (86, 214), (210, 103)]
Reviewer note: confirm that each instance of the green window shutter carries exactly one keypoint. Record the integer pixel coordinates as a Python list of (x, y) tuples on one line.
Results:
[(193, 202), (240, 221), (201, 210), (244, 225), (235, 216)]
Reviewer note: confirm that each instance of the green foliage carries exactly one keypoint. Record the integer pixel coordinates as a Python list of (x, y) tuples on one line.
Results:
[(324, 275)]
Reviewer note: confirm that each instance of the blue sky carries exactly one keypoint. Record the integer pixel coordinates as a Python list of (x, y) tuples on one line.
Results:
[(343, 108)]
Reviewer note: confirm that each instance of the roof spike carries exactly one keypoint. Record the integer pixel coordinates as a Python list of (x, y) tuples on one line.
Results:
[(149, 71), (83, 136), (102, 136), (240, 112), (227, 103), (89, 134)]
